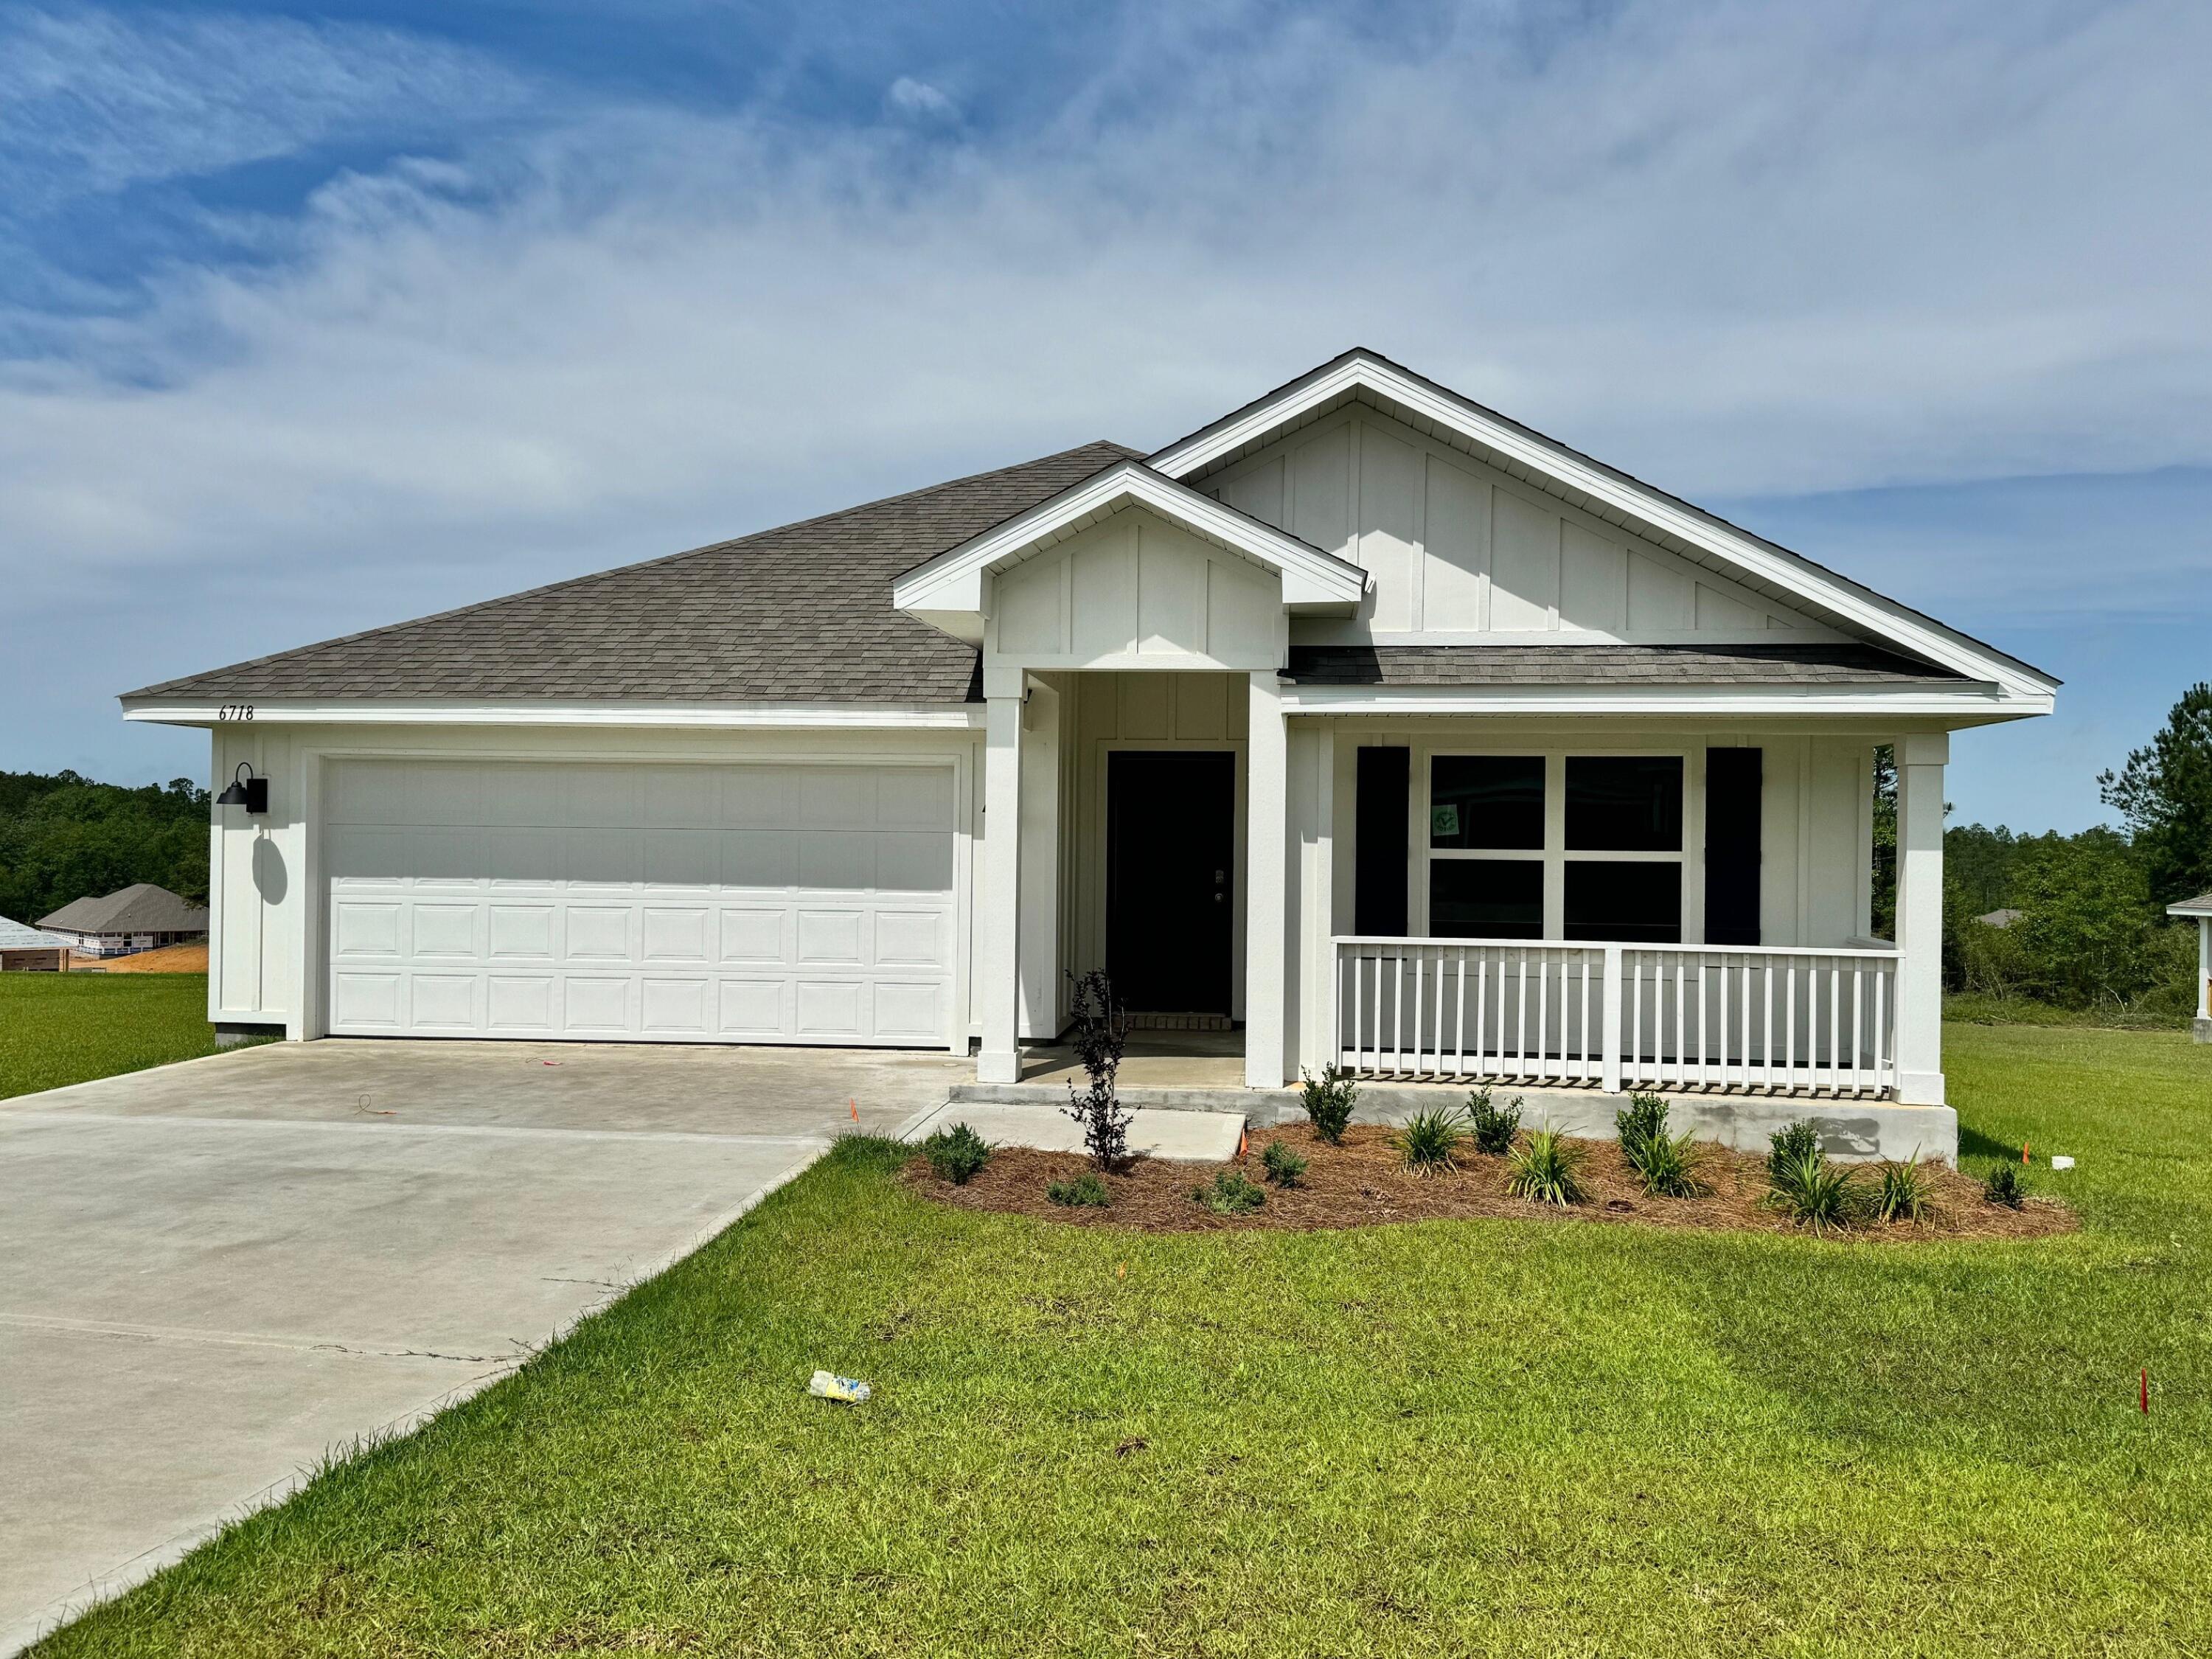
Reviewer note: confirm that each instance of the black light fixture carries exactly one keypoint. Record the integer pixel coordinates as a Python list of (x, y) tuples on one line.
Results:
[(245, 790)]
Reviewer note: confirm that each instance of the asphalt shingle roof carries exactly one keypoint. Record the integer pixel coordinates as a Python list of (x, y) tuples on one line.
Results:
[(798, 614), (1607, 665), (142, 908)]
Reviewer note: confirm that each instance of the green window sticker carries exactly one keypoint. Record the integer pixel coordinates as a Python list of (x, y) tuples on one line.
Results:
[(1443, 820)]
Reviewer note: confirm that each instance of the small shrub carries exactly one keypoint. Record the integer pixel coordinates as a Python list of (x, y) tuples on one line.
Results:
[(1547, 1169), (1285, 1167), (1233, 1192), (957, 1153), (1101, 1030), (1328, 1100), (1791, 1144), (1083, 1191), (1666, 1165), (1811, 1191), (1642, 1120), (2004, 1186), (1905, 1193), (1428, 1139), (1493, 1126)]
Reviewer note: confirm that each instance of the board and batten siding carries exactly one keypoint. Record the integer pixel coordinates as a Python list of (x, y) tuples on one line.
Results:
[(1461, 551)]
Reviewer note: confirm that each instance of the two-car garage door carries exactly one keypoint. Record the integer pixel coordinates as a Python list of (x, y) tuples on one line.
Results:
[(763, 903)]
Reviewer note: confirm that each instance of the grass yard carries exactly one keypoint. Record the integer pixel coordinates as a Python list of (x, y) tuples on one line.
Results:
[(1486, 1436), (56, 1029)]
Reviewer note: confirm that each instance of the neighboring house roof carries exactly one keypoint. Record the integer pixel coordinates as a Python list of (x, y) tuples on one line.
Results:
[(14, 936), (2000, 918), (1608, 665), (798, 614), (142, 908), (2199, 906)]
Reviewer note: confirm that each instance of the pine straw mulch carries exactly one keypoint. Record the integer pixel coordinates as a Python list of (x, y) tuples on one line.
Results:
[(1363, 1183)]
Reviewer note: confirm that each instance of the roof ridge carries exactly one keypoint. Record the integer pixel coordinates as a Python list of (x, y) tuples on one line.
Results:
[(723, 545)]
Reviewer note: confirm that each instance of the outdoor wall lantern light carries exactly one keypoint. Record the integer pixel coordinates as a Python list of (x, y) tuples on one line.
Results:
[(245, 790)]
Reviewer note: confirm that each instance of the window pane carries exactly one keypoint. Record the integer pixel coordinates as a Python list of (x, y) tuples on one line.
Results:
[(1487, 800), (1625, 802), (1487, 898), (1632, 903)]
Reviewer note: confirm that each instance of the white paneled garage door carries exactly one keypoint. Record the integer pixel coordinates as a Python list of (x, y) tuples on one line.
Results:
[(658, 903)]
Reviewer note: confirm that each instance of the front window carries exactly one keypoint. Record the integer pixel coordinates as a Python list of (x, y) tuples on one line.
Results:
[(1573, 847)]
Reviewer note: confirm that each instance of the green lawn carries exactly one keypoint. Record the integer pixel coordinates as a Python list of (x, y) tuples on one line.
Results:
[(69, 1028), (1459, 1437)]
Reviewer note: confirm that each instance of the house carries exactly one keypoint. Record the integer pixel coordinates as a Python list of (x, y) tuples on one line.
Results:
[(140, 917), (26, 950), (2200, 908), (2000, 919), (1363, 719)]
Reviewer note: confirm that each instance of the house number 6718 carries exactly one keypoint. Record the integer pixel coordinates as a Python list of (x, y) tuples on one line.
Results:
[(235, 711)]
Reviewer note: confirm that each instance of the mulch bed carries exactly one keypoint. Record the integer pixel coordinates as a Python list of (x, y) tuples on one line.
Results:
[(1363, 1183)]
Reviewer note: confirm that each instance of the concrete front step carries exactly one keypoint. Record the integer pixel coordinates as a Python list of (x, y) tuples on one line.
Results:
[(1182, 1137), (1851, 1130)]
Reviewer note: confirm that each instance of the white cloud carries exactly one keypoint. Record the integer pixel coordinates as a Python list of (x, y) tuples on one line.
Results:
[(1736, 248), (921, 102)]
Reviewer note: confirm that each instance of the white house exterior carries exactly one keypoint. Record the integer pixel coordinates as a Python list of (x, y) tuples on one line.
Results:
[(1364, 718), (2199, 910)]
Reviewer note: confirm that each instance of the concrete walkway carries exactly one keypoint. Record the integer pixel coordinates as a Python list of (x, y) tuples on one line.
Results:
[(221, 1271), (1183, 1137)]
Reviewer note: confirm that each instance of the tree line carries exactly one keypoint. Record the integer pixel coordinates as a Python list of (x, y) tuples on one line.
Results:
[(63, 838), (2090, 930)]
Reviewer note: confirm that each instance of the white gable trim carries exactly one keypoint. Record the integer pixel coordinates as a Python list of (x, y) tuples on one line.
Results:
[(1583, 482), (953, 582), (244, 714)]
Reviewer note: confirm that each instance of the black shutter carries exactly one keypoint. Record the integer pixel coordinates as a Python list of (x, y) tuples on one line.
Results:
[(1378, 882), (1733, 778)]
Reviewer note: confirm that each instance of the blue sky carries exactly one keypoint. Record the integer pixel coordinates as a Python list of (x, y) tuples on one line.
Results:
[(312, 320)]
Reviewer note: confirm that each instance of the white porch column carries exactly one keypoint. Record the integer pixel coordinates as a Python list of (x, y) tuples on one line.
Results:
[(1040, 873), (2202, 1029), (1920, 761), (998, 886), (1267, 811)]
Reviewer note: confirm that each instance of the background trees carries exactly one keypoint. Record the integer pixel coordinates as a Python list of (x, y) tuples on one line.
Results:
[(2164, 793), (63, 838)]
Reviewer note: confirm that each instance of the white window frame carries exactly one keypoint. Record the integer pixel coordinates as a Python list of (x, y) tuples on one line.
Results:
[(1554, 854)]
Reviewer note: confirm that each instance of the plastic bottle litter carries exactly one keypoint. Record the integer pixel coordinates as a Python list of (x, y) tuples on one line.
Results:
[(2062, 1162), (850, 1389)]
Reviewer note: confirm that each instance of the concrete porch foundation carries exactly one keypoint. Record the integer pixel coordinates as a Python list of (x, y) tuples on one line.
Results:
[(1196, 1136), (1201, 1071)]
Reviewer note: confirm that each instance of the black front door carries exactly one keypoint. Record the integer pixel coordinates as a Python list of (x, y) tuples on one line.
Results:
[(1170, 868)]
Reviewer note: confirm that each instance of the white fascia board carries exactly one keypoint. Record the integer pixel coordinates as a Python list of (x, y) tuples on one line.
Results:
[(2196, 906), (953, 581), (1975, 705), (758, 716), (1862, 607)]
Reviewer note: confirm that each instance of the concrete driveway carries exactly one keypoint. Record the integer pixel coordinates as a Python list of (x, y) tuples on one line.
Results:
[(218, 1272)]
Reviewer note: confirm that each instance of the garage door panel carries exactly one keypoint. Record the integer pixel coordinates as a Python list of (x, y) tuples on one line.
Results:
[(671, 934), (366, 1001), (524, 857), (641, 901), (914, 863), (830, 936), (837, 798), (521, 933), (611, 859), (362, 928), (682, 858), (913, 939), (831, 1008), (444, 1002), (832, 862), (599, 933), (761, 859), (595, 1007), (445, 855), (914, 798), (519, 1003)]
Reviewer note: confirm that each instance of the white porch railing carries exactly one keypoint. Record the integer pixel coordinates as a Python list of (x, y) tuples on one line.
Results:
[(1712, 1017)]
